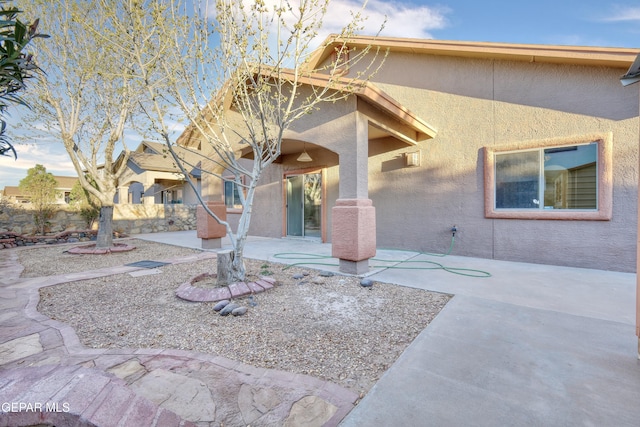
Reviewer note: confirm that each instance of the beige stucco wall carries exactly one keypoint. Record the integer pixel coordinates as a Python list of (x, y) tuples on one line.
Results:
[(478, 103), (472, 103), (148, 178)]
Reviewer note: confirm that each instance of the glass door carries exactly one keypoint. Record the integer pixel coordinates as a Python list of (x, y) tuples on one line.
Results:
[(295, 205), (304, 205)]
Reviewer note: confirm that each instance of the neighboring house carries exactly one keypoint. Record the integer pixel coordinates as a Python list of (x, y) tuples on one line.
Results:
[(63, 191), (530, 151), (153, 178)]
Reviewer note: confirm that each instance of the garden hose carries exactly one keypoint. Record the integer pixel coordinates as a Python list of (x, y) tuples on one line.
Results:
[(315, 259)]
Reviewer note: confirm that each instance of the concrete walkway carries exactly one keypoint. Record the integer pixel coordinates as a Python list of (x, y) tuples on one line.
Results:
[(531, 345)]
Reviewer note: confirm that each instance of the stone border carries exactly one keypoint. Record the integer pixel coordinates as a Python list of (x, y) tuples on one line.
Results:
[(93, 250), (10, 239), (188, 292)]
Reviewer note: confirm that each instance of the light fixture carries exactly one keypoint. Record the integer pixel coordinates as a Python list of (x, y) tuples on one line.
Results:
[(412, 159), (304, 157)]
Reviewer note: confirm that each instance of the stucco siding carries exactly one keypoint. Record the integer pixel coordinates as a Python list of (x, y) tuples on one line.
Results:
[(472, 104), (475, 104)]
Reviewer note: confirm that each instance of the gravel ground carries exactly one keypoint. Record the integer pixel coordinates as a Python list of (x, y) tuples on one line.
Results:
[(52, 260), (328, 327)]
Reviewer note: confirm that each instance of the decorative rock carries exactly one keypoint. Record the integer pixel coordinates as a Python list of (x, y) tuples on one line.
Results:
[(366, 283), (298, 276), (318, 280), (326, 274), (254, 402), (228, 309), (19, 348), (220, 305), (310, 411), (239, 311), (170, 389)]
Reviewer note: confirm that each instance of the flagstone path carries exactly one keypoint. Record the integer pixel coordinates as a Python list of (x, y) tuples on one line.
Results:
[(48, 377)]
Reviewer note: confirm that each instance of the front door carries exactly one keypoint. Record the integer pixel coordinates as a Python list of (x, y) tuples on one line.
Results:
[(304, 205)]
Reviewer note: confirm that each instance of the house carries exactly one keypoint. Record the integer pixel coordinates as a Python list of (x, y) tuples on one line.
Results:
[(529, 151), (152, 177), (63, 191)]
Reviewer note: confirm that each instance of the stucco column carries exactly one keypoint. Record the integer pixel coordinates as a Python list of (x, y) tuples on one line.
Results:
[(353, 225), (148, 196), (638, 251), (208, 229), (123, 194)]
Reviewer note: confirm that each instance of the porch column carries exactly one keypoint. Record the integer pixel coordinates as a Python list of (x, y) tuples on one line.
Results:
[(123, 194), (148, 196), (353, 238), (208, 229)]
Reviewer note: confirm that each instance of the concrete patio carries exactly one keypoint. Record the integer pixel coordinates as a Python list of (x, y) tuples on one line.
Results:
[(530, 345)]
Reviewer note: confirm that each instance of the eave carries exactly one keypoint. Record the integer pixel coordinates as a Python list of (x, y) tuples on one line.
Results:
[(577, 55)]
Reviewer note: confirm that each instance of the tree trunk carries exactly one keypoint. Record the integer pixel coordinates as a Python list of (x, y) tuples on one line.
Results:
[(105, 228), (230, 269)]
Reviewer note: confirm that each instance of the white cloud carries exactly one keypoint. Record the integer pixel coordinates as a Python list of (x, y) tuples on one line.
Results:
[(624, 14), (402, 19), (49, 155)]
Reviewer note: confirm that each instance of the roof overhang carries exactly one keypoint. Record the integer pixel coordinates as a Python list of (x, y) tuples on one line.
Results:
[(633, 74), (383, 111), (577, 55), (377, 105)]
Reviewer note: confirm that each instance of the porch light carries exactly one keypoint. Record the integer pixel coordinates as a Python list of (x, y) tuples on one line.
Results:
[(412, 159), (304, 157)]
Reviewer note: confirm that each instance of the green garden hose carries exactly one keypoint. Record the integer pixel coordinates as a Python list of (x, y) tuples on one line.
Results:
[(310, 259)]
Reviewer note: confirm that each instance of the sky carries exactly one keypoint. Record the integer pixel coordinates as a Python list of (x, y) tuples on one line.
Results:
[(559, 22)]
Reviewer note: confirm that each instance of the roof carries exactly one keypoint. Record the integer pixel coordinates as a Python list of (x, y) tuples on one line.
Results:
[(577, 55), (374, 96), (66, 181), (159, 160), (11, 191), (364, 90), (633, 73)]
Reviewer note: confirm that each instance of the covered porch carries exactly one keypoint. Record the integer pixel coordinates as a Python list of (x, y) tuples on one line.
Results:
[(323, 171)]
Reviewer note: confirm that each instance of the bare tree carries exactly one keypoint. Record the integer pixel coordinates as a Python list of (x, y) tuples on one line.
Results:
[(87, 96), (238, 71)]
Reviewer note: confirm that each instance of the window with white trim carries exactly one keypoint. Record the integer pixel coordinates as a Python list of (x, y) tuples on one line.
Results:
[(549, 181)]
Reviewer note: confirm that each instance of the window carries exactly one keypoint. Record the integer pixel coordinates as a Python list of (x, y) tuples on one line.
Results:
[(231, 195), (551, 179)]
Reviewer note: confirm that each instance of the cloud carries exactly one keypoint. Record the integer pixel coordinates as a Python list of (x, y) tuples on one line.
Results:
[(403, 19), (624, 14), (423, 19), (50, 156)]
